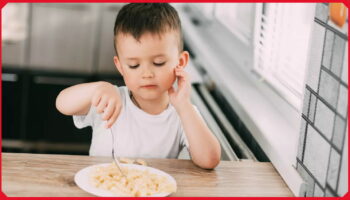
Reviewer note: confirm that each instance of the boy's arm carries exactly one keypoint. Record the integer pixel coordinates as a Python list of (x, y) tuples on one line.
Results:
[(77, 100), (205, 149)]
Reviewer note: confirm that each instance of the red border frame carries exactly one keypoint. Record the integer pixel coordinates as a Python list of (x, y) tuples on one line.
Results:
[(4, 2)]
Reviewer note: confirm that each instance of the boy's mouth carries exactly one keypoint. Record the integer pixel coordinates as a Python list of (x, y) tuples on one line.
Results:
[(149, 86)]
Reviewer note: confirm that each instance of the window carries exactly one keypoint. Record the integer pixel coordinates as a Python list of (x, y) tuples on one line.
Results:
[(236, 17), (281, 48), (207, 9), (281, 40)]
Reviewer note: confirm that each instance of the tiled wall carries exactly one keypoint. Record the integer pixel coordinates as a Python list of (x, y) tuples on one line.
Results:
[(322, 153)]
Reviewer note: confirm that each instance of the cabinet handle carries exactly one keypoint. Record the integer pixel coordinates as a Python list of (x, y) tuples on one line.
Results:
[(57, 80), (9, 77)]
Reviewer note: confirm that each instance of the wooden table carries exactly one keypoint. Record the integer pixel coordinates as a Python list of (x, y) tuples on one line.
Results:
[(53, 175)]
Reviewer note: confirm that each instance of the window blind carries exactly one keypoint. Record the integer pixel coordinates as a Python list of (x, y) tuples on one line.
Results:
[(282, 48)]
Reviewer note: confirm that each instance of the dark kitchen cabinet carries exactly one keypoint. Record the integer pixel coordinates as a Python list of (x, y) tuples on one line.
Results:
[(31, 122), (44, 121), (11, 105)]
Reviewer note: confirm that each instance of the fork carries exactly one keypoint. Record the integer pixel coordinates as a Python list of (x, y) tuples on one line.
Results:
[(115, 159)]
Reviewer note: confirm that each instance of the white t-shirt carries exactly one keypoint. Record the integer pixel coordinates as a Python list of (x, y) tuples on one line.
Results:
[(137, 134)]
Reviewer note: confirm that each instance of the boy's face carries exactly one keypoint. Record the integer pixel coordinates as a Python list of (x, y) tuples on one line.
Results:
[(148, 65)]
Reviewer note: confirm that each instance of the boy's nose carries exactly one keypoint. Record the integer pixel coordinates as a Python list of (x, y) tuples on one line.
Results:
[(147, 73)]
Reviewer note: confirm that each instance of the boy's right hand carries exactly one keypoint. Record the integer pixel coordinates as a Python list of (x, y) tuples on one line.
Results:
[(107, 101)]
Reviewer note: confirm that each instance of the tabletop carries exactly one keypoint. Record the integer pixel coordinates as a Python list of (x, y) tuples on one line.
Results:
[(52, 175)]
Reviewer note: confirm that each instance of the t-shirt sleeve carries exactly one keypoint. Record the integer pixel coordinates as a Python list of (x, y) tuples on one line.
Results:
[(90, 119)]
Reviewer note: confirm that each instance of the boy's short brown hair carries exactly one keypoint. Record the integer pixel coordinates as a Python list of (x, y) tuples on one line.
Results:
[(139, 18)]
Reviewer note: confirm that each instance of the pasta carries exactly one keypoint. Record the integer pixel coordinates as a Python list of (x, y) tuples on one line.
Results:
[(126, 160), (140, 162), (136, 183), (131, 161)]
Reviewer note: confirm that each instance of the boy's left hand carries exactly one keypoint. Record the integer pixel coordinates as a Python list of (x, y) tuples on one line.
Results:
[(180, 96)]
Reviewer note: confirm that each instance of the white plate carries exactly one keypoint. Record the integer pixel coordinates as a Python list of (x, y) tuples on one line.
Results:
[(82, 179)]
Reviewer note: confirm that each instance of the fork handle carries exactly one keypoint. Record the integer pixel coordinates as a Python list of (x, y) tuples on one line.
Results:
[(113, 155)]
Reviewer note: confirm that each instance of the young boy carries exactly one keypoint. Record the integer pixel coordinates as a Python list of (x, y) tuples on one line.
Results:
[(148, 117)]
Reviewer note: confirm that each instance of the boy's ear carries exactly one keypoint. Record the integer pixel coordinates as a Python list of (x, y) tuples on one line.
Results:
[(118, 65), (184, 58)]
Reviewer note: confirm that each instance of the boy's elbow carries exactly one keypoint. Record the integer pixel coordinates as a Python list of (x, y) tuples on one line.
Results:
[(59, 104), (211, 161), (211, 164), (215, 160)]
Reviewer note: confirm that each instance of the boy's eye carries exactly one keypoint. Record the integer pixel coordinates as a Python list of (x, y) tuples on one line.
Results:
[(133, 66), (159, 64)]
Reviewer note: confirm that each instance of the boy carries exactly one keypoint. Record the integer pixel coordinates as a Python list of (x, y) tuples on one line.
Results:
[(148, 117)]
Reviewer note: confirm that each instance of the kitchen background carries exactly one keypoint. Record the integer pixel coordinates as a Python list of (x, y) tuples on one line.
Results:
[(322, 154), (269, 79)]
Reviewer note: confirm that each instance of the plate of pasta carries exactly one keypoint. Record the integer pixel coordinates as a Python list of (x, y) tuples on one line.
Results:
[(105, 180)]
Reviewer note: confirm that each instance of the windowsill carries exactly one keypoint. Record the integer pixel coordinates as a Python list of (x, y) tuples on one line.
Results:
[(272, 122)]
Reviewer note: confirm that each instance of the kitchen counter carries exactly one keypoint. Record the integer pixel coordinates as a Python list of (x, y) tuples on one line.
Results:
[(53, 175)]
